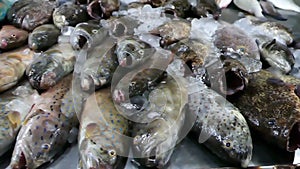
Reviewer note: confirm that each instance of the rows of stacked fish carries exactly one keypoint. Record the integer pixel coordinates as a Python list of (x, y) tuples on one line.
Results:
[(226, 77)]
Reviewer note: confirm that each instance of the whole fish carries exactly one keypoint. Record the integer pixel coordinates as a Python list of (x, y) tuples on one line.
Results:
[(154, 141), (43, 37), (15, 104), (84, 33), (13, 65), (102, 9), (69, 14), (172, 32), (277, 56), (102, 139), (286, 5), (47, 128), (251, 6), (4, 7), (12, 37), (269, 9), (220, 126), (28, 14), (265, 30), (100, 66), (132, 52), (271, 106), (51, 66)]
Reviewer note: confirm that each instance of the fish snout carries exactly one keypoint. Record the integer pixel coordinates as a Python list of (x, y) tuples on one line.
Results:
[(48, 80), (21, 162), (33, 46), (3, 44)]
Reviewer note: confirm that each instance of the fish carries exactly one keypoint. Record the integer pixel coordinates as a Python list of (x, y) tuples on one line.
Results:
[(251, 6), (277, 56), (46, 130), (132, 52), (12, 37), (223, 3), (15, 104), (51, 66), (220, 126), (178, 8), (43, 37), (173, 31), (269, 9), (154, 141), (100, 66), (271, 106), (84, 33), (102, 9), (205, 7), (28, 14), (13, 65), (103, 140), (286, 5), (69, 14)]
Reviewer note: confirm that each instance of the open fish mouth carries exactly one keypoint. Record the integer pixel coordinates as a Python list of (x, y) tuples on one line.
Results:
[(22, 162), (234, 83), (294, 138)]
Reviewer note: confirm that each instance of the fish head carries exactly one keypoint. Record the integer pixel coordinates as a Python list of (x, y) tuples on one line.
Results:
[(12, 37), (38, 39), (38, 144)]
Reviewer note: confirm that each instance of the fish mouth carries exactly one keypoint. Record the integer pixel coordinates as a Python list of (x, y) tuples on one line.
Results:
[(22, 162), (94, 10), (81, 41), (3, 44), (234, 83), (293, 142)]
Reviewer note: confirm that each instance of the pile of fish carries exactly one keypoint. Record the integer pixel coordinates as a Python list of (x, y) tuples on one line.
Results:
[(133, 78)]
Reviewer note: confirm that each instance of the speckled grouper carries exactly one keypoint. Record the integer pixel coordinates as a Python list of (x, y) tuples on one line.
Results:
[(102, 141), (271, 105), (14, 106), (47, 128), (220, 126)]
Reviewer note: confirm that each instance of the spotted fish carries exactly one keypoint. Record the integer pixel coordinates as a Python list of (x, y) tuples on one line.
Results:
[(102, 137), (271, 106), (47, 128), (12, 37), (15, 104), (220, 126)]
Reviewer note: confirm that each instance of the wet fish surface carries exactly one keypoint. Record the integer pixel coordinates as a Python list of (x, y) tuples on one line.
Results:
[(12, 37)]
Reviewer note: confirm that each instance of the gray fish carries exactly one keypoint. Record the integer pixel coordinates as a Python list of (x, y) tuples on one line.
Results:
[(43, 37), (102, 138), (47, 128), (51, 66), (220, 126), (15, 104), (69, 14)]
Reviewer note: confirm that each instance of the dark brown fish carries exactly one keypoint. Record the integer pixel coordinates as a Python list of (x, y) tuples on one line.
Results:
[(271, 106), (12, 37)]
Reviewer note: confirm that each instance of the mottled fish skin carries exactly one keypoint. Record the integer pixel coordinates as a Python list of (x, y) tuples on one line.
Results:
[(69, 14), (102, 9), (12, 37), (220, 126), (278, 56), (172, 32), (28, 14), (251, 6), (51, 66), (103, 129), (99, 68), (132, 52), (154, 141), (271, 106), (13, 65), (43, 37), (47, 128), (15, 104), (178, 8), (204, 7)]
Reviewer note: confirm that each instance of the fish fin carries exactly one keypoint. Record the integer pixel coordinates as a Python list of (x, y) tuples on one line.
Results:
[(204, 136), (90, 128), (15, 119)]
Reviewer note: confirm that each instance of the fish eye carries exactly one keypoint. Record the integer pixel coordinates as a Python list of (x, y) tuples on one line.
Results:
[(112, 153), (94, 31), (46, 147), (101, 150), (141, 52), (13, 36), (228, 144)]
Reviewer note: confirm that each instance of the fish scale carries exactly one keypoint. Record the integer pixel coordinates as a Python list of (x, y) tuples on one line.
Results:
[(47, 128)]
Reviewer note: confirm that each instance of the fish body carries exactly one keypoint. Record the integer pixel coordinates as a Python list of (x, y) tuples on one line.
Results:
[(102, 137), (223, 3), (69, 14), (15, 104), (12, 37), (13, 65), (43, 37), (154, 141), (251, 6), (179, 8), (220, 126), (28, 14), (204, 7), (269, 9), (278, 56), (51, 66), (47, 128), (286, 5), (271, 106)]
